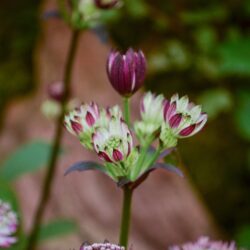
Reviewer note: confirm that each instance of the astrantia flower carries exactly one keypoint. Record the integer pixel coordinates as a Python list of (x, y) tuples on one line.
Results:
[(82, 122), (101, 246), (113, 143), (182, 119), (126, 72), (204, 243), (8, 225), (106, 4), (151, 110)]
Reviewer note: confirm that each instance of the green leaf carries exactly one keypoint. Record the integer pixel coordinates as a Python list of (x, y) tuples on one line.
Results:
[(235, 57), (138, 8), (204, 15), (28, 158), (243, 237), (57, 228), (242, 117)]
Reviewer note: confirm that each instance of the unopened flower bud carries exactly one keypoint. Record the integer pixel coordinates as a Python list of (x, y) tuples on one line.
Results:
[(8, 225), (114, 143), (182, 119), (106, 4), (126, 72), (55, 91)]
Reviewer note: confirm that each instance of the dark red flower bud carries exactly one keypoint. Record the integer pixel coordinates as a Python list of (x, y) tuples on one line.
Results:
[(55, 91), (126, 72), (106, 4)]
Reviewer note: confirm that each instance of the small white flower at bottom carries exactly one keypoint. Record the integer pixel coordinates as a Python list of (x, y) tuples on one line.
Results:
[(101, 246), (8, 225)]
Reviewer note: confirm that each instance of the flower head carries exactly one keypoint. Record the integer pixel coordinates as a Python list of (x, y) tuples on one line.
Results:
[(204, 243), (151, 110), (82, 122), (113, 143), (106, 4), (126, 72), (101, 246), (182, 119), (8, 225)]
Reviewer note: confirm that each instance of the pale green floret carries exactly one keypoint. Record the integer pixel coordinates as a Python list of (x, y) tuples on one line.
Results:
[(86, 139), (113, 142), (88, 10), (167, 137), (145, 131), (132, 159), (51, 109)]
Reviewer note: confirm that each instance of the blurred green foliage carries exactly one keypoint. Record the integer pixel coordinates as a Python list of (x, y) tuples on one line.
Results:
[(28, 158), (18, 32), (202, 48)]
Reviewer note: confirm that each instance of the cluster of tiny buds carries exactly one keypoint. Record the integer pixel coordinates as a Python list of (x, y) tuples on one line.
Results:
[(101, 246)]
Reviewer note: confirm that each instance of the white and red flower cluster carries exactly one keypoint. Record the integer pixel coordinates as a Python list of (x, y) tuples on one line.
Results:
[(8, 225), (103, 130), (177, 118), (204, 243)]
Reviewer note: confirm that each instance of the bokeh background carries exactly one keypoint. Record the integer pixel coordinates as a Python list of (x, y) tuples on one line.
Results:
[(200, 48)]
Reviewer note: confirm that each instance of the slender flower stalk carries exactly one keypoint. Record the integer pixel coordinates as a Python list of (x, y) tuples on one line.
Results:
[(46, 190), (126, 101), (126, 216)]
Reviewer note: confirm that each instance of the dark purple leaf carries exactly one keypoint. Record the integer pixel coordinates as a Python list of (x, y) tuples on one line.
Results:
[(83, 166), (166, 153), (168, 167)]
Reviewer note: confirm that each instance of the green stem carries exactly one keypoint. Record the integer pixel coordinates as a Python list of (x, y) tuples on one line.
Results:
[(155, 156), (126, 110), (46, 190), (126, 214)]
